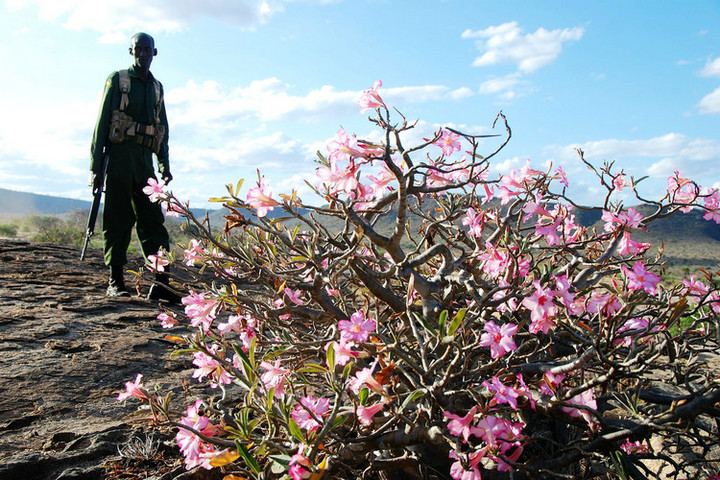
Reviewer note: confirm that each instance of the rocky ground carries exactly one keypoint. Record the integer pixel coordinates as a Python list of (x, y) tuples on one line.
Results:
[(65, 353)]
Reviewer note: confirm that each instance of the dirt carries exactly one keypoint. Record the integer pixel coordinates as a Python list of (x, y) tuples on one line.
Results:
[(66, 352)]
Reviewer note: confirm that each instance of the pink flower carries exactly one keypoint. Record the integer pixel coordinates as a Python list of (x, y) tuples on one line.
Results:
[(682, 191), (499, 339), (604, 303), (492, 429), (711, 203), (619, 182), (551, 382), (364, 378), (157, 263), (640, 279), (503, 393), (295, 296), (274, 377), (365, 414), (462, 426), (197, 452), (211, 368), (302, 416), (694, 287), (633, 325), (133, 389), (200, 309), (474, 221), (167, 321), (542, 309), (370, 99), (560, 175), (343, 351), (633, 448), (300, 465), (260, 198), (449, 142), (628, 246), (155, 190), (467, 469), (358, 328), (193, 253), (586, 398)]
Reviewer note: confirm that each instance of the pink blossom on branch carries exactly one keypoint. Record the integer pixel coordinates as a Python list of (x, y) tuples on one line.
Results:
[(358, 328), (155, 190), (449, 142), (260, 198), (274, 377), (499, 339), (365, 414), (370, 99), (157, 263), (302, 416), (466, 468), (639, 278), (462, 426), (133, 389), (197, 452)]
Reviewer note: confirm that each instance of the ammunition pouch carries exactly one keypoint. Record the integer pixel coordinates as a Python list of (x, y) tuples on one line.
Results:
[(123, 128)]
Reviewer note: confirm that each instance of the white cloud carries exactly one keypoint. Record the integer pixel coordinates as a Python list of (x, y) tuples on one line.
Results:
[(711, 69), (116, 19), (656, 157), (506, 44), (710, 103)]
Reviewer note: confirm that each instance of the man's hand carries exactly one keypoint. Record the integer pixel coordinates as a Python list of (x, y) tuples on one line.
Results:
[(96, 181), (167, 177)]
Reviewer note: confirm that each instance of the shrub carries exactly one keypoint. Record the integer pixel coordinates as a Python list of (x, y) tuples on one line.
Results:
[(484, 333)]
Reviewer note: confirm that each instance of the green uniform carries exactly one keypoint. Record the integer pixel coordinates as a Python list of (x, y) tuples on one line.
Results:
[(129, 168)]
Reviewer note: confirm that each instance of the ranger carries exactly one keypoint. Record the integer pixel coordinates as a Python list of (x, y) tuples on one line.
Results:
[(131, 126)]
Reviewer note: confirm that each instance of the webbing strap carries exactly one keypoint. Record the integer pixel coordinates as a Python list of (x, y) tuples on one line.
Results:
[(124, 89), (124, 79)]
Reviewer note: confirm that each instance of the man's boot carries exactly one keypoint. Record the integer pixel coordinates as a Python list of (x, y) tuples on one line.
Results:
[(116, 285), (161, 290)]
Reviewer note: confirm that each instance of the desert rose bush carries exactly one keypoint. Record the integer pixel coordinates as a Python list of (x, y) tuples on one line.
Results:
[(429, 321)]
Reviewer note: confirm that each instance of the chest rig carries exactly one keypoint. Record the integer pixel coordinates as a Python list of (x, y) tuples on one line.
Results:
[(124, 129)]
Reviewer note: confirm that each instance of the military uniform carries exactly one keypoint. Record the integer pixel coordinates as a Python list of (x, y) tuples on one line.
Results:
[(129, 167)]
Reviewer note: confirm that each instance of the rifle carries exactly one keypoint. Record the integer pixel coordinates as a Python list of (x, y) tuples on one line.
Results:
[(97, 196)]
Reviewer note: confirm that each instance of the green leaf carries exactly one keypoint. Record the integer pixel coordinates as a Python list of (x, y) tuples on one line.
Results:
[(337, 421), (312, 368), (295, 431), (457, 320), (422, 322), (363, 395), (442, 320), (247, 456), (412, 397), (330, 355)]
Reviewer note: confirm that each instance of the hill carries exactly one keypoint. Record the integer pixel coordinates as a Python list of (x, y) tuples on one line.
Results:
[(18, 204)]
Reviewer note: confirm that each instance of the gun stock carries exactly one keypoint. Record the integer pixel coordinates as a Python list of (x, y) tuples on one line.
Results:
[(92, 217)]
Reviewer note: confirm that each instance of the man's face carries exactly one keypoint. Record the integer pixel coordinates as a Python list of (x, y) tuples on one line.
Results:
[(142, 50)]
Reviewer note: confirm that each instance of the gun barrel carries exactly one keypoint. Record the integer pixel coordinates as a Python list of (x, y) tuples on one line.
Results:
[(92, 217)]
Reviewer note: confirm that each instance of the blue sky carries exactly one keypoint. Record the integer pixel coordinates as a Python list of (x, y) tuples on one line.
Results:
[(265, 84)]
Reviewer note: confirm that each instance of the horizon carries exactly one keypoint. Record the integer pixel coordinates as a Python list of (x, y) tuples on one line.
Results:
[(267, 84)]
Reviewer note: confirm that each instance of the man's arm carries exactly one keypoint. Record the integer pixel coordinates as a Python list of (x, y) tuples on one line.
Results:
[(163, 155), (102, 127)]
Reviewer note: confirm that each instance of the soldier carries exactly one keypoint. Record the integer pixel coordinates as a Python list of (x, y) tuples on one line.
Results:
[(131, 126)]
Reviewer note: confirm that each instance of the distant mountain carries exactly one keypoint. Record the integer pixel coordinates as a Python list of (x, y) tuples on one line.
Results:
[(15, 204)]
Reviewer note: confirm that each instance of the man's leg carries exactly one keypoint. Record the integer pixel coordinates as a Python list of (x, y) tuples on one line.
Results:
[(118, 220)]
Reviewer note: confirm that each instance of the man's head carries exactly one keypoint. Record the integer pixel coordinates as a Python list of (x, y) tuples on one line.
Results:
[(142, 48)]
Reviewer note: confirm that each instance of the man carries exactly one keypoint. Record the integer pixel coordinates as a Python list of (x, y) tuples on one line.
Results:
[(132, 124)]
